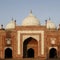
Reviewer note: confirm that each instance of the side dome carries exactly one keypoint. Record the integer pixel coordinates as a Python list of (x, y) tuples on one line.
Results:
[(0, 27), (10, 25), (50, 24), (30, 20)]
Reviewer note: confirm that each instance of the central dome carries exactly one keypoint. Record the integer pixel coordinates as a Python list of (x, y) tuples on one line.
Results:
[(30, 20)]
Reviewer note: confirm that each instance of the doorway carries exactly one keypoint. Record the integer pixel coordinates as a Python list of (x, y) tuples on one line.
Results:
[(30, 53), (8, 53), (53, 53)]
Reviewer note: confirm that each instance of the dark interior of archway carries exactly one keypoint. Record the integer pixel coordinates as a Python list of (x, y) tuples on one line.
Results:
[(53, 53), (30, 53), (8, 53), (26, 42)]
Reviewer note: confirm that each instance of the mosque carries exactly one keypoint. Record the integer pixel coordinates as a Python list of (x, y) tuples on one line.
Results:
[(30, 40)]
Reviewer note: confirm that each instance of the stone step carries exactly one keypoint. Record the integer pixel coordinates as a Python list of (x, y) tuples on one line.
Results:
[(54, 59), (25, 59), (32, 59)]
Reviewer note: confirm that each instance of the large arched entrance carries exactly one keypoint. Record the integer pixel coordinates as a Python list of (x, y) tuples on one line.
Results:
[(30, 53), (8, 53), (30, 48), (53, 53)]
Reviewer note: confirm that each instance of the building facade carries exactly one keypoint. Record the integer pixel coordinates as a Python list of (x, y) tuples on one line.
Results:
[(30, 40)]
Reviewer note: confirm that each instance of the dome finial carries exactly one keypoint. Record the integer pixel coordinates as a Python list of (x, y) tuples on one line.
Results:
[(30, 11), (12, 18), (30, 14), (49, 18)]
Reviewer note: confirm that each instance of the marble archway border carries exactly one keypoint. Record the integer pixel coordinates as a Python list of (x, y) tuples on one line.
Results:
[(26, 31)]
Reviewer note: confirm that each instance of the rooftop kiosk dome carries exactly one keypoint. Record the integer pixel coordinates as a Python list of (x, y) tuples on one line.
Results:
[(50, 24), (11, 24), (30, 20)]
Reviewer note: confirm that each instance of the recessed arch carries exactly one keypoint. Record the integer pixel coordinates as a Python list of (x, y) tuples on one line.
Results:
[(29, 43), (53, 53), (8, 53)]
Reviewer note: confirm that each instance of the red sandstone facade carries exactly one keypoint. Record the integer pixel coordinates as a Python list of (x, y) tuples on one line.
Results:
[(29, 43)]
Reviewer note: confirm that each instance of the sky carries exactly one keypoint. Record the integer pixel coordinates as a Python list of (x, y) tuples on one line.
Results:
[(19, 9)]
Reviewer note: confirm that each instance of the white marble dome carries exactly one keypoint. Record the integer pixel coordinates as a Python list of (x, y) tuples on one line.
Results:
[(50, 24), (10, 25), (30, 20)]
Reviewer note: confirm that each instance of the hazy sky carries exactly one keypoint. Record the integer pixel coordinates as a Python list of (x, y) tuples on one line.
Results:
[(19, 9)]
